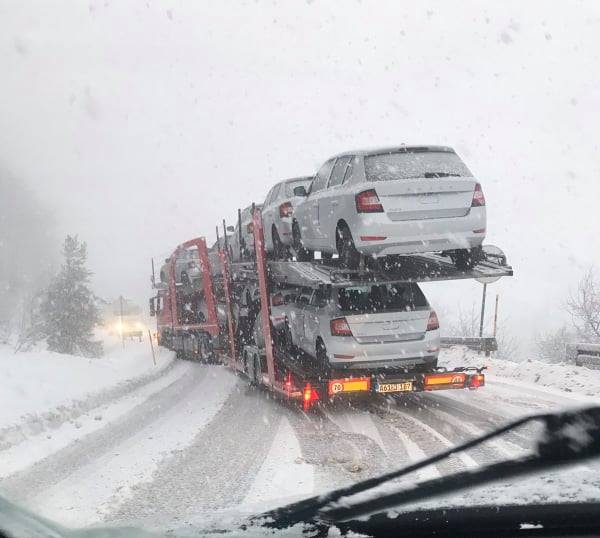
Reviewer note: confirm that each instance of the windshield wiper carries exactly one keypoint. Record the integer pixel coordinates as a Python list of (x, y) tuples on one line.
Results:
[(568, 437)]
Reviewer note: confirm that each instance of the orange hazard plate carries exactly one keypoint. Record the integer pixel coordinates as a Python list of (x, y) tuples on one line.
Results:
[(349, 385)]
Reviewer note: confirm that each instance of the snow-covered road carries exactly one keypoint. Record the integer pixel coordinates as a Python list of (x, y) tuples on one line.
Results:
[(198, 439)]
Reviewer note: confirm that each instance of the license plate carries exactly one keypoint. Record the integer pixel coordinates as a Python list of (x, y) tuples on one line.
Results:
[(405, 386), (429, 199)]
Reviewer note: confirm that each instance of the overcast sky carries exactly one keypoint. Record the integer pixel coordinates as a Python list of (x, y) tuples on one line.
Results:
[(142, 124)]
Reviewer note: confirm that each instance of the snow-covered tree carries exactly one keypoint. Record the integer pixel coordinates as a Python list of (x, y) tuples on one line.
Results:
[(69, 310)]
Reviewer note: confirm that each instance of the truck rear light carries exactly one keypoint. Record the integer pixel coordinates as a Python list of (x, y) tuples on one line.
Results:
[(433, 323), (476, 381), (444, 380), (277, 299), (478, 197), (340, 327), (286, 210), (368, 202), (250, 227), (309, 396)]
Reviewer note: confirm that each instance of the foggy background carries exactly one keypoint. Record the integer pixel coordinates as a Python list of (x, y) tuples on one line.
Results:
[(138, 125)]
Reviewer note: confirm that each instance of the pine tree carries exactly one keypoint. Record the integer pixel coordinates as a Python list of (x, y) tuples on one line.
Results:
[(69, 311)]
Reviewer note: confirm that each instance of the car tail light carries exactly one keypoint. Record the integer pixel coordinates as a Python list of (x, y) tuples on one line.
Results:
[(340, 327), (250, 227), (368, 202), (286, 210), (433, 323), (478, 197), (277, 299)]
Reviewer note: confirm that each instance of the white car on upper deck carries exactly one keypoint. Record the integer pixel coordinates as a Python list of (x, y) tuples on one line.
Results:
[(277, 214), (392, 201)]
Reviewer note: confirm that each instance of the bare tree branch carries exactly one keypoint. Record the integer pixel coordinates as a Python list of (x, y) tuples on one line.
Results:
[(584, 306)]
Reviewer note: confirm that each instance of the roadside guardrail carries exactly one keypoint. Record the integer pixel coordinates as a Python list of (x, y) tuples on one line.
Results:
[(486, 344), (587, 355)]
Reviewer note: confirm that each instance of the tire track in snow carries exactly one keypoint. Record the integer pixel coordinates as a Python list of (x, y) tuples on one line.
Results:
[(428, 440), (216, 470), (98, 489), (453, 430), (480, 415), (50, 420), (60, 465), (338, 457)]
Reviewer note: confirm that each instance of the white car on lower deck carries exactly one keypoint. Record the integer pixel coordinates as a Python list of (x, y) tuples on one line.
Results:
[(393, 201), (371, 326)]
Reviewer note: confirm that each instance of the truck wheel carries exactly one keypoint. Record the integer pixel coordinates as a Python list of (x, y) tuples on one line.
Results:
[(279, 251), (349, 256)]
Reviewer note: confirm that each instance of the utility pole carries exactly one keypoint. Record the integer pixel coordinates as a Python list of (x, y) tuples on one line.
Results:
[(496, 315), (121, 322), (482, 310)]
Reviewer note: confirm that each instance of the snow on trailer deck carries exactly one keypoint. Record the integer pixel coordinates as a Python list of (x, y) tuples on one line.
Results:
[(417, 268)]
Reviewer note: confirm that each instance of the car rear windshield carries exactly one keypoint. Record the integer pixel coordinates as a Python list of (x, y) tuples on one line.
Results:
[(289, 187), (381, 298), (406, 165)]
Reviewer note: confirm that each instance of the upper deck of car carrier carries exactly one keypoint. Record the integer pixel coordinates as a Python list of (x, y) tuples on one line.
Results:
[(415, 268)]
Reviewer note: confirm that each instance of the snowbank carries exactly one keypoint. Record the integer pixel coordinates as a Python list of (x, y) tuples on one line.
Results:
[(41, 386), (567, 378)]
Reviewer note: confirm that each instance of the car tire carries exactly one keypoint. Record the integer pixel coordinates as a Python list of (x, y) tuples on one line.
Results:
[(349, 256), (279, 250), (302, 254), (321, 352)]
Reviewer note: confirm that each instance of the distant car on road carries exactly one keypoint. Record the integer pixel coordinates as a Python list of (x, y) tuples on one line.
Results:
[(392, 201), (277, 213), (123, 318), (383, 326)]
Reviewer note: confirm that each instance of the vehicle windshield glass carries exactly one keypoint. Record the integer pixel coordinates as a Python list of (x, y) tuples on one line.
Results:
[(408, 165), (439, 278), (381, 298), (289, 187)]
